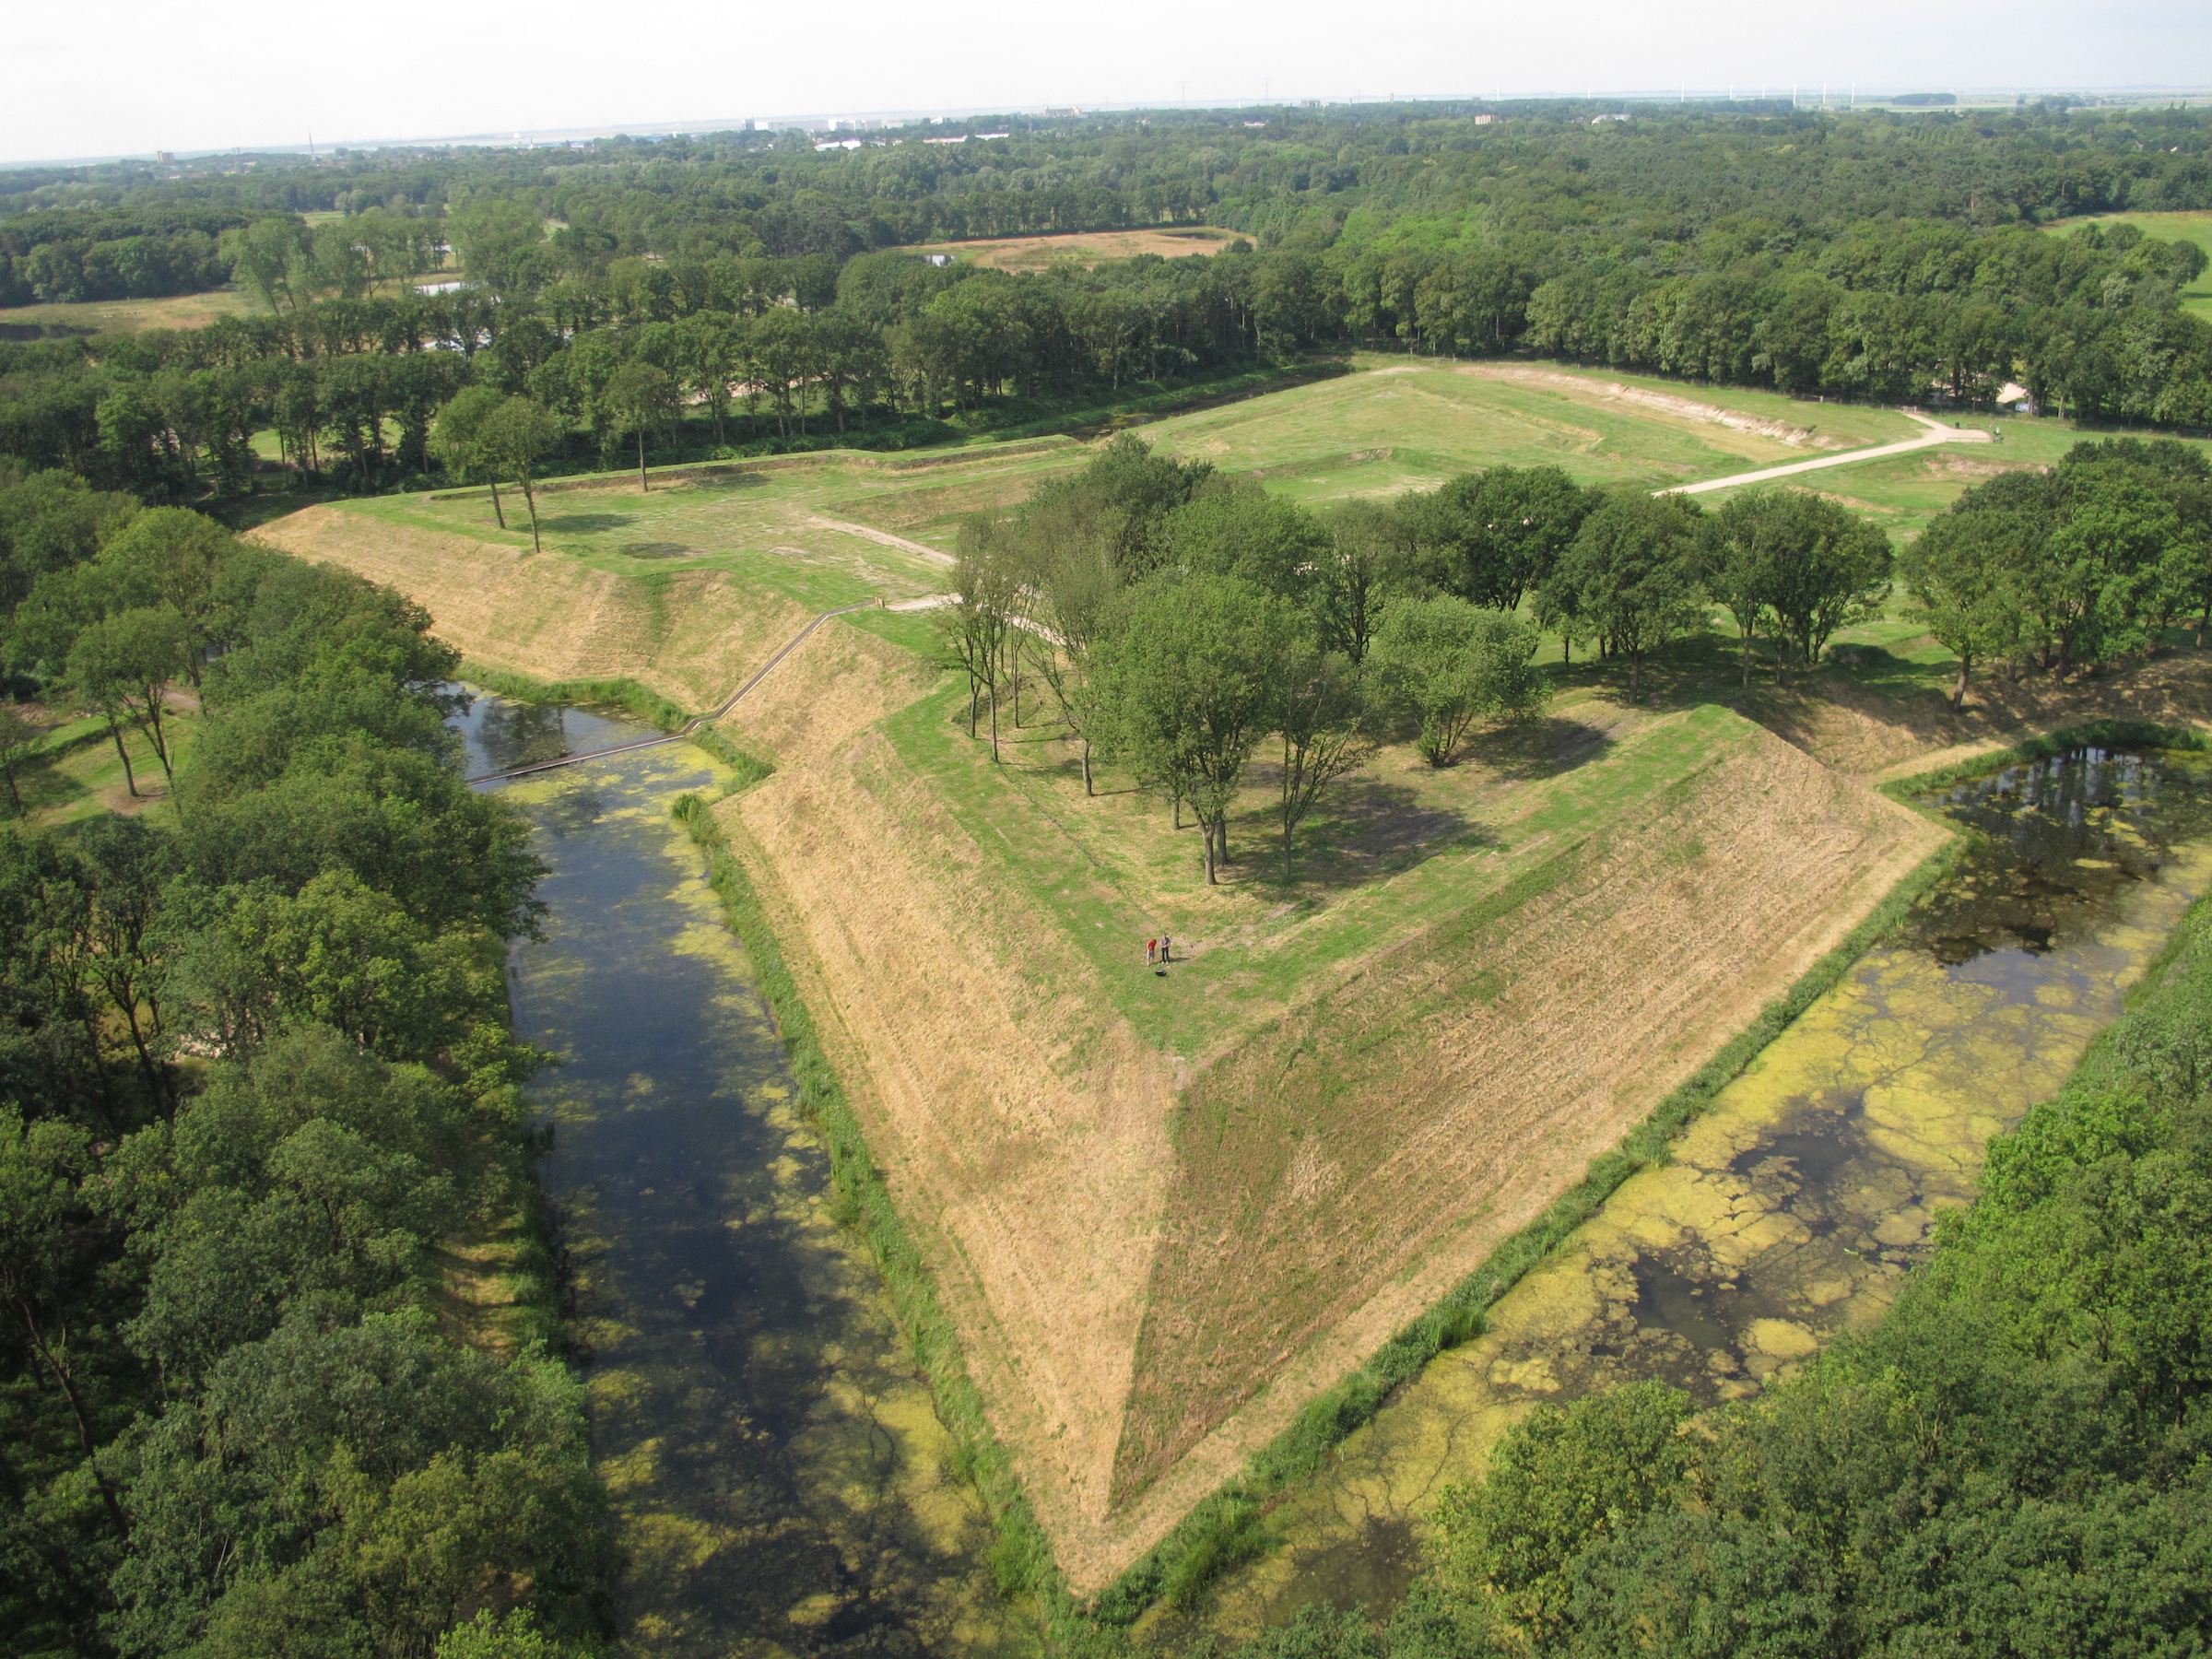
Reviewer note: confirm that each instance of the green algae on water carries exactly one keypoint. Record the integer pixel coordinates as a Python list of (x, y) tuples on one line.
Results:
[(1792, 1207), (780, 1481)]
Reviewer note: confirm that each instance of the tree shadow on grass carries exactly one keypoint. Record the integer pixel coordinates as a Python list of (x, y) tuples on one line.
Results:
[(587, 524), (1543, 747), (44, 787), (1364, 829)]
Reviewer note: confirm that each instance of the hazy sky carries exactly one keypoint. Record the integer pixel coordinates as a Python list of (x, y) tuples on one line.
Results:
[(106, 76)]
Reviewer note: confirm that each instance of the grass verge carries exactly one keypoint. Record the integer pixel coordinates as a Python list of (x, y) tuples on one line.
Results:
[(751, 768), (1231, 1526), (625, 695), (1022, 1557)]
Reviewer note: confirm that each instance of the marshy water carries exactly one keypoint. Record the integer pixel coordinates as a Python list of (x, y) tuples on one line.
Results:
[(1793, 1207), (782, 1481)]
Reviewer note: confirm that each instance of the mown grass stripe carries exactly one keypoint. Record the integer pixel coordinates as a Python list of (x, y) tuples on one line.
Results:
[(1229, 1526)]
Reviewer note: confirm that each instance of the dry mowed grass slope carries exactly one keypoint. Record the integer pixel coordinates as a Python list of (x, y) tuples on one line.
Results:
[(1165, 1210), (689, 635)]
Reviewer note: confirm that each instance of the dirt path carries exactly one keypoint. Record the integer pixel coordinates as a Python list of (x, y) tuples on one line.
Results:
[(883, 539), (691, 725), (1937, 433)]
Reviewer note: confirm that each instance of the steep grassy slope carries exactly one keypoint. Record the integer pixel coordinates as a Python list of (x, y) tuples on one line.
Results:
[(1167, 1208)]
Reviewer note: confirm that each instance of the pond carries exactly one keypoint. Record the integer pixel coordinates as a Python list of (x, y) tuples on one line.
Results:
[(781, 1482)]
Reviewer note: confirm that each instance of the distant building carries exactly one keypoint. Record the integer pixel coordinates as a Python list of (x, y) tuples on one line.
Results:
[(165, 155), (1486, 120), (939, 259)]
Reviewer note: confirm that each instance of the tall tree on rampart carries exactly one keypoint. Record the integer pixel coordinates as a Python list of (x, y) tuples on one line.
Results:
[(1325, 718), (1445, 663), (1631, 578), (458, 438), (512, 441), (1187, 685), (1963, 572), (639, 400)]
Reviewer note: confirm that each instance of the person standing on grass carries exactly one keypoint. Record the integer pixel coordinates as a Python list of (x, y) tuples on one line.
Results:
[(1163, 948), (1151, 950)]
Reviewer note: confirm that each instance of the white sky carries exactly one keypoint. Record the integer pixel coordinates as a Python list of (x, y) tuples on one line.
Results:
[(116, 76)]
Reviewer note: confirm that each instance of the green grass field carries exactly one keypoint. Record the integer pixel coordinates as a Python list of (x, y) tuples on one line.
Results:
[(1901, 493), (86, 777), (100, 316), (755, 526), (1394, 424), (2166, 226), (1413, 422)]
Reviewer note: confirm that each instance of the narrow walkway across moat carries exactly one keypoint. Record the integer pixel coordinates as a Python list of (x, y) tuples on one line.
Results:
[(782, 1481)]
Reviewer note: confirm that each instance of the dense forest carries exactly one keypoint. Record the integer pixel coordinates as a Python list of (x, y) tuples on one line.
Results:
[(1867, 255), (255, 1086)]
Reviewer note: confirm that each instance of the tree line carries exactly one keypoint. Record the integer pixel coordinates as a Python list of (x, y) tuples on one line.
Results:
[(254, 1078), (58, 255), (1176, 622), (1868, 257), (2011, 1461)]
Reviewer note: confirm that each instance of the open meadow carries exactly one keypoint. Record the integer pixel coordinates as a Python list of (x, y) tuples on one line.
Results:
[(2166, 226), (123, 316), (1165, 1210)]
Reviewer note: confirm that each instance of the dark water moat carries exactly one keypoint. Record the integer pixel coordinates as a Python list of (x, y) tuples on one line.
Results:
[(782, 1484)]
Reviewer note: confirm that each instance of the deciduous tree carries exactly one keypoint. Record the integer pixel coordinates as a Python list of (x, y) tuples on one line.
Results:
[(1446, 664), (638, 399), (512, 441), (1631, 578)]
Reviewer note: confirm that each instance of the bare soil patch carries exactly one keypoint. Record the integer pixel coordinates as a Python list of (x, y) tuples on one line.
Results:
[(1084, 247), (1662, 403)]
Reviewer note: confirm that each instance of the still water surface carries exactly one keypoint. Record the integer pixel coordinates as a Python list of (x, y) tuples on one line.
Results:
[(782, 1484)]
